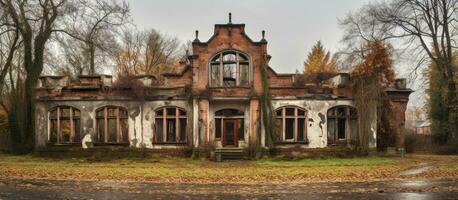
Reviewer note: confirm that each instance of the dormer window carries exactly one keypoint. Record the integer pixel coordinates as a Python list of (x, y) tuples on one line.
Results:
[(229, 69)]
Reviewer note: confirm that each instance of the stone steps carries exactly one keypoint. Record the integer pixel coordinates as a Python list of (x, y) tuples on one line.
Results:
[(229, 154)]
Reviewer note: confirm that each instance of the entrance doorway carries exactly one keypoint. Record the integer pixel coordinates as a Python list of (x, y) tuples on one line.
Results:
[(229, 127), (230, 133)]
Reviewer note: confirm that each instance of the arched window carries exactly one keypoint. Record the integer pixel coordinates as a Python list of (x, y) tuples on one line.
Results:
[(64, 125), (291, 124), (229, 69), (112, 125), (342, 124), (229, 126), (170, 125)]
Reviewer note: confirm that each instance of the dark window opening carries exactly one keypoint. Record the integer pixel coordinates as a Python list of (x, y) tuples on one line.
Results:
[(339, 118), (112, 125), (171, 126), (218, 128), (289, 129), (291, 124)]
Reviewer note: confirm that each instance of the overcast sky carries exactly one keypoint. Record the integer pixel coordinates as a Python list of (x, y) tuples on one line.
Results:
[(292, 27)]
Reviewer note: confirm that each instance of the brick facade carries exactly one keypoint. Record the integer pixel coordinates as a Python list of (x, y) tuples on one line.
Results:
[(198, 113)]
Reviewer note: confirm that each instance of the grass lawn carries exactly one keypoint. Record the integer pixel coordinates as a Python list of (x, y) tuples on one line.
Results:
[(186, 170)]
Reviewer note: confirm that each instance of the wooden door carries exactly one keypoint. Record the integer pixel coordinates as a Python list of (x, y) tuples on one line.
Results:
[(230, 133)]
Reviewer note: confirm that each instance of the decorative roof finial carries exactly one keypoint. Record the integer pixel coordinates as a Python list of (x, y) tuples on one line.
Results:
[(230, 18), (263, 36), (197, 36)]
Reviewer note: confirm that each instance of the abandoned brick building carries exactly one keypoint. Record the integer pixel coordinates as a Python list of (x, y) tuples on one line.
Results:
[(213, 101)]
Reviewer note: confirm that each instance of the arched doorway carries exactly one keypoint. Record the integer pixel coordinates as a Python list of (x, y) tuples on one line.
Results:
[(229, 127)]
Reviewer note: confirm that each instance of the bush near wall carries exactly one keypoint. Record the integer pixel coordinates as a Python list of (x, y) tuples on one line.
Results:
[(4, 139)]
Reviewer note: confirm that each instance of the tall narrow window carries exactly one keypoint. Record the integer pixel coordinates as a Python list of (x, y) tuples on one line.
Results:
[(229, 69), (291, 122), (170, 125), (112, 125), (342, 124), (64, 122)]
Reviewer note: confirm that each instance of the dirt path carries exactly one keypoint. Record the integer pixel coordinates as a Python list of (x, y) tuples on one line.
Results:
[(71, 189)]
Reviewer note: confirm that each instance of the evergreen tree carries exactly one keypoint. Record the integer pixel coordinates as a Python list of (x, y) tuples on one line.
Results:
[(319, 61)]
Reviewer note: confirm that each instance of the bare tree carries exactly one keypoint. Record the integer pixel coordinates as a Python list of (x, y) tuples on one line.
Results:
[(147, 52), (94, 24), (426, 27), (34, 21)]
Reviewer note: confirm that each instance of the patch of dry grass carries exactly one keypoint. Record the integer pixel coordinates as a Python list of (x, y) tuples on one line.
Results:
[(173, 169)]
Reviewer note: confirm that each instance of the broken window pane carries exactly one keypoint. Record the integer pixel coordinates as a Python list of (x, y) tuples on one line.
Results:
[(215, 75), (229, 75), (229, 57), (244, 71)]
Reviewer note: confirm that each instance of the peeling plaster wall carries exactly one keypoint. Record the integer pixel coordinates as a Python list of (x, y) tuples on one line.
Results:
[(140, 119), (316, 109)]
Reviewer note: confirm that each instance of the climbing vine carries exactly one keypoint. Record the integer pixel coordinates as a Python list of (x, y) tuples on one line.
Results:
[(266, 106)]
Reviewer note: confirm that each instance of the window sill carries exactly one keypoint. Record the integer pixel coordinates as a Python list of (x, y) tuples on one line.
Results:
[(111, 144), (286, 142), (63, 144), (233, 87), (169, 143)]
